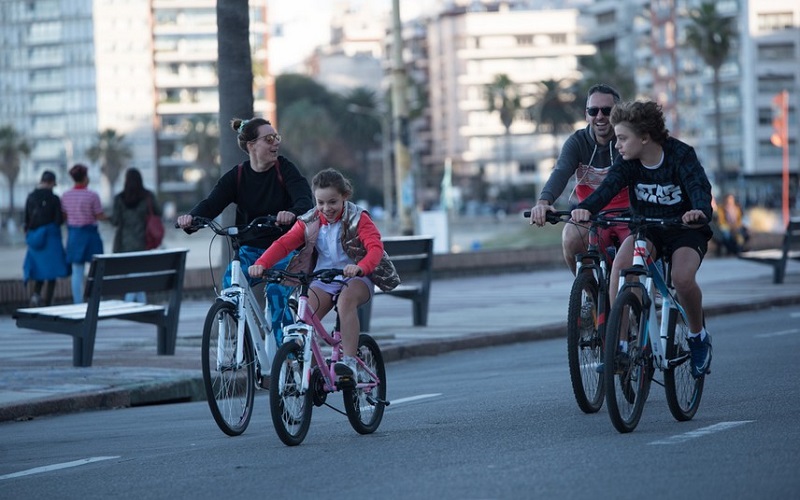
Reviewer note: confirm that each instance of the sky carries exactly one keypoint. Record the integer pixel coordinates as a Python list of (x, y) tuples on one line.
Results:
[(299, 26)]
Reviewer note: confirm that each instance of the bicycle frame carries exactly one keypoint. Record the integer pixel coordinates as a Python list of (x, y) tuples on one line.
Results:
[(307, 330), (650, 279), (240, 293)]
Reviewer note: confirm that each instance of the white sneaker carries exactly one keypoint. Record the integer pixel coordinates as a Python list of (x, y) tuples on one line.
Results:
[(346, 368)]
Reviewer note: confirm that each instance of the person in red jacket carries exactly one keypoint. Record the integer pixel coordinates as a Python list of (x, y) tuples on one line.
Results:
[(335, 234)]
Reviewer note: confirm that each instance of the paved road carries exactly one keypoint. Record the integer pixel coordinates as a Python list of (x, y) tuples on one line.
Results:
[(37, 377)]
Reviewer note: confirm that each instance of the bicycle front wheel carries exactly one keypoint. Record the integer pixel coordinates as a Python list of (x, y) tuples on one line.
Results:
[(289, 406), (682, 389), (626, 376), (230, 386), (364, 406), (584, 345)]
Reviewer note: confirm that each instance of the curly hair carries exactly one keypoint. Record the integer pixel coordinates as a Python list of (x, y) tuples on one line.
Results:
[(332, 178), (643, 117), (247, 130)]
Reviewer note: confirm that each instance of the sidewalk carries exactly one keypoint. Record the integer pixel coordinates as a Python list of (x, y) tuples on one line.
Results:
[(37, 377)]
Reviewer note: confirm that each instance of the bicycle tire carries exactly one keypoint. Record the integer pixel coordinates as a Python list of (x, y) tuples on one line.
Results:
[(364, 407), (584, 344), (290, 409), (683, 391), (230, 388), (627, 388)]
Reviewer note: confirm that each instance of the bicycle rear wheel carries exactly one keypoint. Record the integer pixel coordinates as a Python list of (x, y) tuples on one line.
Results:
[(364, 407), (290, 408), (682, 389), (230, 387), (627, 379), (584, 344)]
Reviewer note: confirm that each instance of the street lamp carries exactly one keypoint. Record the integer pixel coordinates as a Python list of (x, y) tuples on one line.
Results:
[(386, 150)]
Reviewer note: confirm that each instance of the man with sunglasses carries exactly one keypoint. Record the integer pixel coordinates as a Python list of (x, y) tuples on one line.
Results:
[(265, 184), (587, 155)]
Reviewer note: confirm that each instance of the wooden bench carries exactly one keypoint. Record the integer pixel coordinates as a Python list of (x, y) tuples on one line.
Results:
[(778, 257), (110, 277), (413, 258)]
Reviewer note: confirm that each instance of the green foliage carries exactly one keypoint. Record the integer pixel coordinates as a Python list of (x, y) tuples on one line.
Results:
[(13, 148), (112, 152), (603, 67)]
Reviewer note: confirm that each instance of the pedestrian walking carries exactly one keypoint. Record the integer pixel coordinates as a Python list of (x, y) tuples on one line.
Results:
[(45, 260)]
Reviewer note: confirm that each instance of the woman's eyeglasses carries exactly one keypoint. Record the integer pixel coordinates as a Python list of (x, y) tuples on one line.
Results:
[(268, 138), (594, 110)]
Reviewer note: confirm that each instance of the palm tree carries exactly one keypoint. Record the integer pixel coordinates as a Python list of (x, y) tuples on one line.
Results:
[(203, 137), (13, 148), (554, 111), (112, 153), (234, 72), (604, 67), (502, 96), (711, 35)]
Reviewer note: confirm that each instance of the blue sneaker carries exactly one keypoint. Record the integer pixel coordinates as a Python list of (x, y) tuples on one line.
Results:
[(701, 352)]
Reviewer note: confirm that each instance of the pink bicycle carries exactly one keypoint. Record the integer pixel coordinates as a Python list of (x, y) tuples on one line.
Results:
[(302, 373)]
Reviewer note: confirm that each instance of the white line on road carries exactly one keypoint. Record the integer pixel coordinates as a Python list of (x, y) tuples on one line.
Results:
[(414, 398), (704, 431), (48, 468), (777, 334)]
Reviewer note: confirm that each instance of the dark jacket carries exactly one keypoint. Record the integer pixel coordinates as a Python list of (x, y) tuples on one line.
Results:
[(256, 194), (42, 207), (131, 221), (680, 184)]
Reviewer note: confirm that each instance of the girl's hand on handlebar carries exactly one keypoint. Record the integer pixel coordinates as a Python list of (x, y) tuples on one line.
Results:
[(256, 271), (539, 213), (352, 270), (285, 218), (581, 215)]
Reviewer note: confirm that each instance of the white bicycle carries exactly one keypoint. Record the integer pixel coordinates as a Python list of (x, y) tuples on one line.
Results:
[(236, 355)]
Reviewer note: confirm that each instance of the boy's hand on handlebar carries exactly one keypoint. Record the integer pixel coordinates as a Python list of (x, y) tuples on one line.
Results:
[(256, 271), (580, 215), (352, 270), (696, 217), (539, 213)]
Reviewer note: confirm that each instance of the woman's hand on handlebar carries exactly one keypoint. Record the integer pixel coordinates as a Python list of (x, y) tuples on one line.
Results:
[(184, 221), (581, 215), (352, 270), (539, 213), (256, 271)]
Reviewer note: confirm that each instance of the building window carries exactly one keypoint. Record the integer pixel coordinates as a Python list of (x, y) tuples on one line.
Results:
[(775, 21), (776, 52), (771, 84), (525, 40), (607, 18), (558, 38), (527, 168)]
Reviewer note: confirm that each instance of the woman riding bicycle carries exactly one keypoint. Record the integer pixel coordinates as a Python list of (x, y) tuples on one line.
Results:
[(664, 179), (266, 184), (336, 234)]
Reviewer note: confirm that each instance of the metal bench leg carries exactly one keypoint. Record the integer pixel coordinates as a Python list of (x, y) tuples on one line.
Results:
[(420, 311)]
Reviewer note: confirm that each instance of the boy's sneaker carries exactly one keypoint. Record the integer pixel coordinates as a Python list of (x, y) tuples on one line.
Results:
[(621, 362), (701, 352)]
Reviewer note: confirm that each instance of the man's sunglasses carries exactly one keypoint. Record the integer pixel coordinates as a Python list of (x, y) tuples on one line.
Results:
[(268, 138), (594, 110)]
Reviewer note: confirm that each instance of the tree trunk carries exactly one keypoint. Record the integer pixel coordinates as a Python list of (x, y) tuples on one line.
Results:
[(722, 179), (235, 75)]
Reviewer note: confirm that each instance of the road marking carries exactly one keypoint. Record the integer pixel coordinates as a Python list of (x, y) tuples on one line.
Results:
[(777, 334), (48, 468), (704, 431), (414, 398)]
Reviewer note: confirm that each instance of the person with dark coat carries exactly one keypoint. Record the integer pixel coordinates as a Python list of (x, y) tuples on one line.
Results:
[(129, 216), (45, 260)]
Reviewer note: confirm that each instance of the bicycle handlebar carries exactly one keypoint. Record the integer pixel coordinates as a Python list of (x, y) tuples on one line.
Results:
[(304, 278), (263, 222), (606, 218)]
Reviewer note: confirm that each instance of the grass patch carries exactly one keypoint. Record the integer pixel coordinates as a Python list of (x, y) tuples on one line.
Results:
[(526, 236)]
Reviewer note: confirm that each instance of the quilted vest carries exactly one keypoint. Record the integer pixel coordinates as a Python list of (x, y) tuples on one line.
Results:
[(384, 276)]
